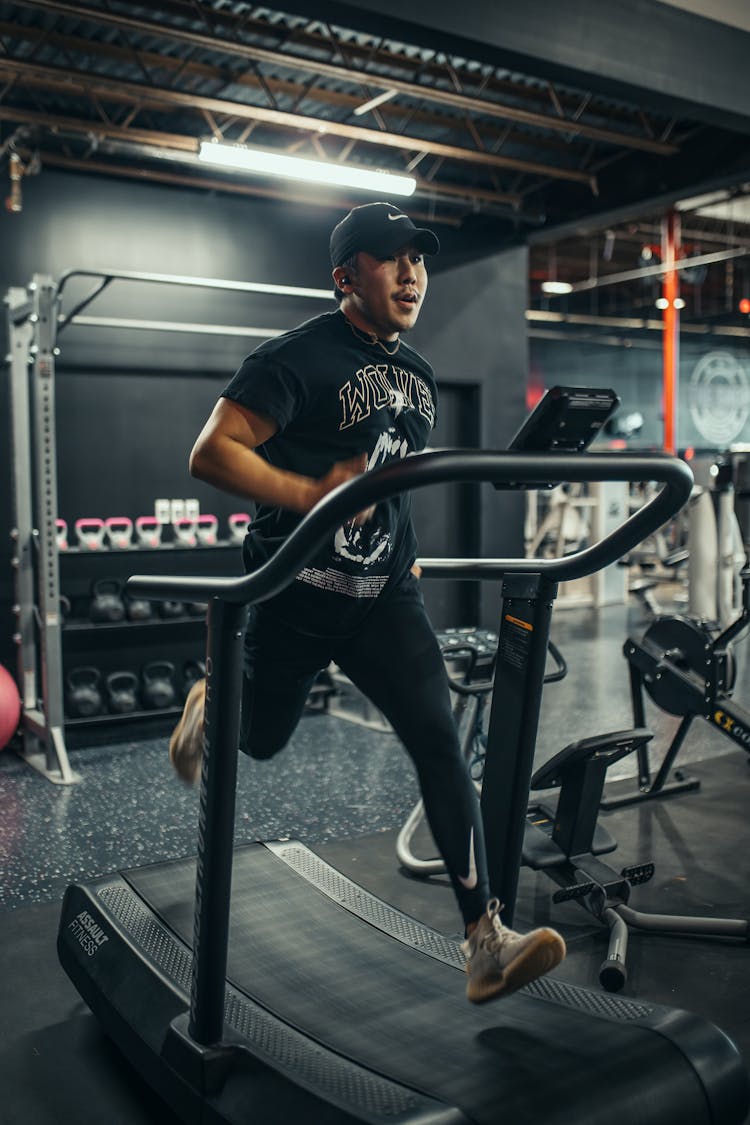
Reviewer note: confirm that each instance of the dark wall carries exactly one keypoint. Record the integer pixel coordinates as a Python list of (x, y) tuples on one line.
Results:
[(130, 403), (685, 63), (472, 328)]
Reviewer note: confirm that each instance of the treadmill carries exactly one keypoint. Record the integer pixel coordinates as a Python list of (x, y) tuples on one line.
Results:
[(260, 985)]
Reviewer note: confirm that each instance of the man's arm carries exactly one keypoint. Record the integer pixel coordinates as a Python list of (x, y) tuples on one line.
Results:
[(224, 456)]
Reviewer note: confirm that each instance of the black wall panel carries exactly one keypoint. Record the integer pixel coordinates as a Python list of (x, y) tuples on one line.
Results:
[(473, 329), (129, 404)]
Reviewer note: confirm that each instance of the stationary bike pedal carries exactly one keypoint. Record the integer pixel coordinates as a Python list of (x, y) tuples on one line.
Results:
[(580, 890), (638, 873)]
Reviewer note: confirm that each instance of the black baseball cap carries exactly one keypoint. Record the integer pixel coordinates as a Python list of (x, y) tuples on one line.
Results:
[(378, 228)]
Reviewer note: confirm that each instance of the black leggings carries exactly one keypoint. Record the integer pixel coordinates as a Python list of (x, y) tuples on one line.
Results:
[(396, 661)]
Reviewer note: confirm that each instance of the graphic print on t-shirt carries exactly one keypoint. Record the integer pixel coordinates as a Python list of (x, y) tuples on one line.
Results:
[(376, 387), (384, 385)]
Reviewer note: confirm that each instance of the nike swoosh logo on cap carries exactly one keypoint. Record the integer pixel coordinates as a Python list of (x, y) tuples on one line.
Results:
[(397, 216), (470, 881)]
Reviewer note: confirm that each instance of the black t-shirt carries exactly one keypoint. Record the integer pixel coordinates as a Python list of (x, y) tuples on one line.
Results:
[(334, 395)]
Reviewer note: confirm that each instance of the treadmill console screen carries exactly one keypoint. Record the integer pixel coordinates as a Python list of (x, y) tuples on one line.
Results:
[(565, 420)]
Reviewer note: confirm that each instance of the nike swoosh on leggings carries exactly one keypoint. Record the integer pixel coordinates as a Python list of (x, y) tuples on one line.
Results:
[(470, 881)]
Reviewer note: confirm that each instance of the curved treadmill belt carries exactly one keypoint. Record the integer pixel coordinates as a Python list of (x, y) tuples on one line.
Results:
[(386, 992)]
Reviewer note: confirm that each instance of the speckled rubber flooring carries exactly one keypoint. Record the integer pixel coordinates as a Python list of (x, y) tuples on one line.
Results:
[(336, 779)]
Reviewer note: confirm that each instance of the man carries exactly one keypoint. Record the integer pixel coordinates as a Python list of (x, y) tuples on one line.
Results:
[(307, 411)]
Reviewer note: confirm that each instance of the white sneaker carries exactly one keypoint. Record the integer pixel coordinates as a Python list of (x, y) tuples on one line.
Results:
[(500, 961), (186, 743)]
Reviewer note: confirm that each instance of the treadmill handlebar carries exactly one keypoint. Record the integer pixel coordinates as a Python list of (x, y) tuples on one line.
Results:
[(443, 467)]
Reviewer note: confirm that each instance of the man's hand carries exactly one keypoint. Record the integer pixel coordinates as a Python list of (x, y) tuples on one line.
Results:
[(341, 472)]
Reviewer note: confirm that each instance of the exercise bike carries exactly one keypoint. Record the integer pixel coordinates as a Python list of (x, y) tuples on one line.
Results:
[(469, 656), (688, 668), (564, 840)]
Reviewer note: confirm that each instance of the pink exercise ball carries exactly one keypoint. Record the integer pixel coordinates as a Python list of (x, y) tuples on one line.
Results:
[(10, 707)]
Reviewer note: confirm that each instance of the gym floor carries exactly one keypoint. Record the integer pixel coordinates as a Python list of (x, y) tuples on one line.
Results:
[(346, 790)]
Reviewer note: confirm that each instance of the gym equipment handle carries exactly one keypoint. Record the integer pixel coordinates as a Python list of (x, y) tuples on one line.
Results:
[(443, 467)]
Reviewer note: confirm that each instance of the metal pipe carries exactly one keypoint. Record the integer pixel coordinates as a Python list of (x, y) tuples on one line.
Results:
[(671, 333)]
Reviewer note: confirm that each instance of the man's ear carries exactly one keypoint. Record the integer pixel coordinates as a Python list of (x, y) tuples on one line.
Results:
[(342, 279)]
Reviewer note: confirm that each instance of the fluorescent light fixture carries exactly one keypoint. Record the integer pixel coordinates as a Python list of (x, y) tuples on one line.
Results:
[(661, 303), (679, 303), (557, 287), (299, 168), (705, 200), (375, 102)]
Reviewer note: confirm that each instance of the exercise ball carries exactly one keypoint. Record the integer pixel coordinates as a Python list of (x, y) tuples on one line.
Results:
[(10, 707)]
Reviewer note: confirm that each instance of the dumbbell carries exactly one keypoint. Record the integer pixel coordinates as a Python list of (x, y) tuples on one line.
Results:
[(90, 533), (107, 605), (83, 697), (122, 692), (158, 690), (119, 531)]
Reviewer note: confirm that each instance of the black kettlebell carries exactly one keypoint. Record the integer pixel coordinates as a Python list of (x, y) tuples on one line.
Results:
[(122, 692), (171, 609), (138, 609), (107, 605), (192, 671), (158, 689), (83, 697), (196, 609)]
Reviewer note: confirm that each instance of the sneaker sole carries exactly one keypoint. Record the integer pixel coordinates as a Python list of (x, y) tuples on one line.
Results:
[(186, 743), (537, 959)]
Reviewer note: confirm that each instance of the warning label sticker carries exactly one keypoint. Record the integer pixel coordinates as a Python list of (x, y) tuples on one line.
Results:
[(515, 641)]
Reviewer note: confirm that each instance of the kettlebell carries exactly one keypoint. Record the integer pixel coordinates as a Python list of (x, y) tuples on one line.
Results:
[(137, 609), (171, 609), (192, 671), (158, 689), (122, 692), (83, 697), (107, 605), (196, 609)]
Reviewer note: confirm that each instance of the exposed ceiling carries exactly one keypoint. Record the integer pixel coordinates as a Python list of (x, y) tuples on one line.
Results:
[(130, 90)]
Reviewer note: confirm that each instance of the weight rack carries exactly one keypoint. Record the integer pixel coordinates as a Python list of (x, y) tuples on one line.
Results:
[(32, 325), (34, 322)]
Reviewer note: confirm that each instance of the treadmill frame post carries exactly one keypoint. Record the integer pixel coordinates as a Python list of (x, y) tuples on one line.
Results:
[(528, 599), (213, 884)]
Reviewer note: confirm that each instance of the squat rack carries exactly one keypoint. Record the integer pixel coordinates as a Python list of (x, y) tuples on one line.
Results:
[(34, 322)]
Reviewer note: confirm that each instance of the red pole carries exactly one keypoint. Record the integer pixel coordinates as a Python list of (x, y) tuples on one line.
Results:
[(670, 238)]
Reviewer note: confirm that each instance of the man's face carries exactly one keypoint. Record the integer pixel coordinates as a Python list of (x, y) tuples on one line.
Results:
[(387, 293)]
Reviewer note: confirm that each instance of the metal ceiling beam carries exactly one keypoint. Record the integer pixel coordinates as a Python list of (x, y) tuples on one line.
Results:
[(451, 98), (658, 270), (55, 122), (90, 84), (249, 79)]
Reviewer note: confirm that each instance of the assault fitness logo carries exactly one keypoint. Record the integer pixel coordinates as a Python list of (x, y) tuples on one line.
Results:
[(719, 397), (88, 933)]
